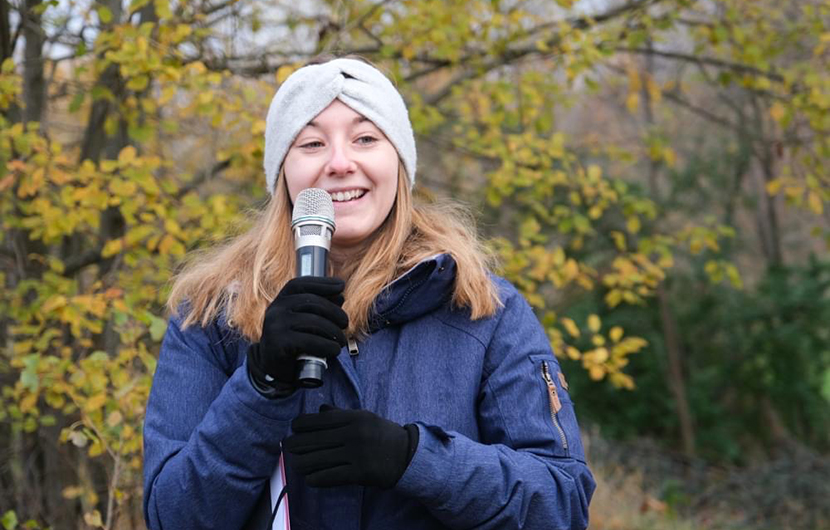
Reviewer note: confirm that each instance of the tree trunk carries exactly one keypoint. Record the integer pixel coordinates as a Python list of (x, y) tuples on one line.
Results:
[(676, 380), (34, 85), (674, 351), (768, 213)]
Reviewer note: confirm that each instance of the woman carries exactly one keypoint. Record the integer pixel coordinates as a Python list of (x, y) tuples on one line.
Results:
[(442, 405)]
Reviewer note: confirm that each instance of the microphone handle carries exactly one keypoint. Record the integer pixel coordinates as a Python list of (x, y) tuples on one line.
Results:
[(311, 261)]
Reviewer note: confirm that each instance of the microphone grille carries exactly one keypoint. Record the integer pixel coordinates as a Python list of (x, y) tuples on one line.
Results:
[(313, 202)]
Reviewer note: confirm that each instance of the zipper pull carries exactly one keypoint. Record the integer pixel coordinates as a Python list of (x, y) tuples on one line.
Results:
[(353, 351)]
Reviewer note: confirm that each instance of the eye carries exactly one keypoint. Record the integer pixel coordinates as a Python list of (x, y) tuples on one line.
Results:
[(366, 140), (313, 144)]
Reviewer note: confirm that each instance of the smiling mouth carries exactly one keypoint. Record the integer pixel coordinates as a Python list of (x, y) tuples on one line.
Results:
[(345, 196)]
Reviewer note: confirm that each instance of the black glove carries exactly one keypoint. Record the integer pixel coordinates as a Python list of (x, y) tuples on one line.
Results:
[(305, 318), (342, 447)]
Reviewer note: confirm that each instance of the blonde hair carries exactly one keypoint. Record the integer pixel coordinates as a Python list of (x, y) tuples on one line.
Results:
[(242, 276)]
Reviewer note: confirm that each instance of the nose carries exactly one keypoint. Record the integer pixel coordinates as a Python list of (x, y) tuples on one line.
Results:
[(340, 162)]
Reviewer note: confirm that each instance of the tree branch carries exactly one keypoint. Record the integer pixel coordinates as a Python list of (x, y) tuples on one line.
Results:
[(514, 54), (74, 265), (202, 177), (711, 61)]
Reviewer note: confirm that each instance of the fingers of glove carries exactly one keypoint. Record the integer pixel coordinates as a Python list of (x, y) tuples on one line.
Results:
[(310, 442), (320, 285), (309, 324), (323, 420), (315, 305), (336, 476), (302, 343), (320, 460)]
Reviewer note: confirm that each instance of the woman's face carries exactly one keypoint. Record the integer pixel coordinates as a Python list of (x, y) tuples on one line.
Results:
[(346, 155)]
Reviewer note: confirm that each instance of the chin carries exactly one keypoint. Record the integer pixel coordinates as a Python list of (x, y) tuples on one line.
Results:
[(347, 242)]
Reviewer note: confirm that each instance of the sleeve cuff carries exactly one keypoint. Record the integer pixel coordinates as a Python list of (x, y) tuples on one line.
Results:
[(430, 470), (278, 408)]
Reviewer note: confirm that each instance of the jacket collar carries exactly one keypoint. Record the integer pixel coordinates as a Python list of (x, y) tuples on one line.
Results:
[(422, 289)]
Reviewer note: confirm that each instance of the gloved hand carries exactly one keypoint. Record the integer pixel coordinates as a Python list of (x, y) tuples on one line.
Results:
[(339, 447), (306, 317)]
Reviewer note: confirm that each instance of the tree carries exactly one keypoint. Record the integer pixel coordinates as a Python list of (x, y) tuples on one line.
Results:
[(132, 134)]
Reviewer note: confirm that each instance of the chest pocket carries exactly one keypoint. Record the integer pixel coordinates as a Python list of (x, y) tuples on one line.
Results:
[(558, 407)]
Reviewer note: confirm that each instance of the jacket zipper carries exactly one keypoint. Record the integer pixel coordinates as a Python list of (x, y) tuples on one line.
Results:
[(555, 404), (353, 351)]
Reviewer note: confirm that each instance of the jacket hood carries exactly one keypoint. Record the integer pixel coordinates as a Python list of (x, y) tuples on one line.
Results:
[(422, 289)]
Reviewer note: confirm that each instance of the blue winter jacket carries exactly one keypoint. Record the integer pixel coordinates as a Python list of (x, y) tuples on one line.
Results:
[(499, 443)]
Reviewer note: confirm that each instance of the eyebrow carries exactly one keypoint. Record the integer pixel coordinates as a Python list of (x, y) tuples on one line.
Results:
[(359, 119)]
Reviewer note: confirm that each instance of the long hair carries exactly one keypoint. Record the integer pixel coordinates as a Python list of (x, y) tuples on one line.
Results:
[(242, 276)]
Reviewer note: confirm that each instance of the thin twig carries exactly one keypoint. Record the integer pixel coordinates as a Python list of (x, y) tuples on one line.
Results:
[(116, 474), (738, 67)]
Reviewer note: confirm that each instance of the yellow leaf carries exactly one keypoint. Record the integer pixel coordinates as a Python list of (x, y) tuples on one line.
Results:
[(97, 448), (167, 94), (573, 353), (6, 182), (29, 402), (138, 83), (814, 202), (632, 102), (669, 156), (95, 402), (619, 240), (93, 518), (283, 72), (594, 323), (633, 224), (53, 303), (596, 372), (166, 244), (616, 333), (126, 155), (571, 327), (258, 127), (777, 111), (621, 380), (112, 247), (72, 492), (634, 82), (653, 89), (114, 418)]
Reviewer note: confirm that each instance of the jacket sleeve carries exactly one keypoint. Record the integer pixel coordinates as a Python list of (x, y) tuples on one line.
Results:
[(528, 471), (211, 441)]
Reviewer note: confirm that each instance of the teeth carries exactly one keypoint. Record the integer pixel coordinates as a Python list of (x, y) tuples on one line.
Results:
[(342, 196)]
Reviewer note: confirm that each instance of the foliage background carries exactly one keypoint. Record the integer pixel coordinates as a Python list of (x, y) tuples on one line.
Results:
[(650, 172)]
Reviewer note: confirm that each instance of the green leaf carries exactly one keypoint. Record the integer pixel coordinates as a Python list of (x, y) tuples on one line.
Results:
[(77, 101), (825, 388), (158, 327), (9, 520), (140, 134), (138, 83), (104, 14), (28, 377)]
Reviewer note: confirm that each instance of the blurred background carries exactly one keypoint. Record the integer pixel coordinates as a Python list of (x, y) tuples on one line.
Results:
[(651, 174)]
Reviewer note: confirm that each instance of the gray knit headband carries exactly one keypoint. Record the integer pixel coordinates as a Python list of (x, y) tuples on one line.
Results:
[(309, 90)]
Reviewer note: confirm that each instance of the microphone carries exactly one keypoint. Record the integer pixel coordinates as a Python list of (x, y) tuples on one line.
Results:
[(313, 224)]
